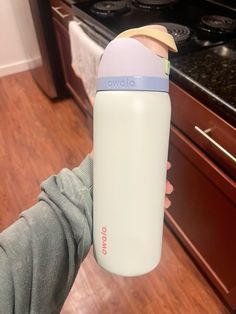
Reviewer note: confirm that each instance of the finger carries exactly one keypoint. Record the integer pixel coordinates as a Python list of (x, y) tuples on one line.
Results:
[(168, 166), (167, 203), (169, 187)]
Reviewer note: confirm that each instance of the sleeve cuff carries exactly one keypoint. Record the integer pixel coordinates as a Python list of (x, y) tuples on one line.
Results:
[(85, 172)]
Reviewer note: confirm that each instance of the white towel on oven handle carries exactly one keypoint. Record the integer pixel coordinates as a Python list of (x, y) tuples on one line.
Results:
[(85, 57)]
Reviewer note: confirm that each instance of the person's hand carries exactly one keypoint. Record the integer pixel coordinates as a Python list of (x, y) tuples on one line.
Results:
[(169, 189), (169, 186)]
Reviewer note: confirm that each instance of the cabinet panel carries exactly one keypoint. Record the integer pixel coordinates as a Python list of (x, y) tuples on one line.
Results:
[(203, 213)]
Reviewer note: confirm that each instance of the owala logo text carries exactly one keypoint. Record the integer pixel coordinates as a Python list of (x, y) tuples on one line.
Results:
[(125, 82), (104, 240)]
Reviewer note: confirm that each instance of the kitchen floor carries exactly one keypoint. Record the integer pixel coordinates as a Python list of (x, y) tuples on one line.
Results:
[(38, 138)]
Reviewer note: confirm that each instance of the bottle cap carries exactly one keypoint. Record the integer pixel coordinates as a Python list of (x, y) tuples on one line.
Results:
[(154, 37), (137, 59)]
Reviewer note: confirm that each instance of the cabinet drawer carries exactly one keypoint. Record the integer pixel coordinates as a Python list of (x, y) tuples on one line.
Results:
[(61, 11), (193, 118), (203, 213)]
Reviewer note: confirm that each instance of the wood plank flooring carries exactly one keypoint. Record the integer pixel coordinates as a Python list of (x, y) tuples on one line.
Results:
[(38, 138)]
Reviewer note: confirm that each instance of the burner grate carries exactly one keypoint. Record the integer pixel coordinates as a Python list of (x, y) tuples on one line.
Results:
[(218, 24), (152, 4), (109, 8), (180, 32)]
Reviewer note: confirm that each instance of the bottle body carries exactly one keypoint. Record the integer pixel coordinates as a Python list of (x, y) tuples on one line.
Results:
[(131, 135)]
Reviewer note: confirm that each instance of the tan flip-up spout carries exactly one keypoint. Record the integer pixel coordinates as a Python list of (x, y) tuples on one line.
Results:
[(154, 37)]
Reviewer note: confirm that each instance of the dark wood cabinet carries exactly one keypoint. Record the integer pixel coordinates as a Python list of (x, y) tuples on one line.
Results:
[(203, 211)]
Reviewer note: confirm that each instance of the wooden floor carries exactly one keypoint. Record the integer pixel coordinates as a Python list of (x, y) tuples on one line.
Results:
[(37, 139)]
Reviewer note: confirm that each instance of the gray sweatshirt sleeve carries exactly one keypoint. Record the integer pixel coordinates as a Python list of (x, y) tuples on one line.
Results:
[(41, 252)]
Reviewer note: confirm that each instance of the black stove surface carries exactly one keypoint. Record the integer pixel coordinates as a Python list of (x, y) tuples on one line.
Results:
[(194, 24), (104, 9)]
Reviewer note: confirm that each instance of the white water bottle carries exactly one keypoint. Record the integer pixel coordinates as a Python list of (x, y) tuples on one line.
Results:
[(131, 135)]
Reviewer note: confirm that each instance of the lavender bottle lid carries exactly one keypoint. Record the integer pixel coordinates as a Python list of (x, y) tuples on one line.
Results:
[(128, 65)]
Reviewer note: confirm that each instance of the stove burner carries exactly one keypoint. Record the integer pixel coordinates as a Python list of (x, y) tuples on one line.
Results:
[(218, 24), (109, 8), (180, 32), (152, 4)]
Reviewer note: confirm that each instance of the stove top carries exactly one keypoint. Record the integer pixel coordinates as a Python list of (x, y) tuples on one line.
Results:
[(153, 4), (104, 9), (194, 24)]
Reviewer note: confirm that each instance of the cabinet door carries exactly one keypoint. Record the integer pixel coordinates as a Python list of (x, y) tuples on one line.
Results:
[(73, 83), (203, 213)]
